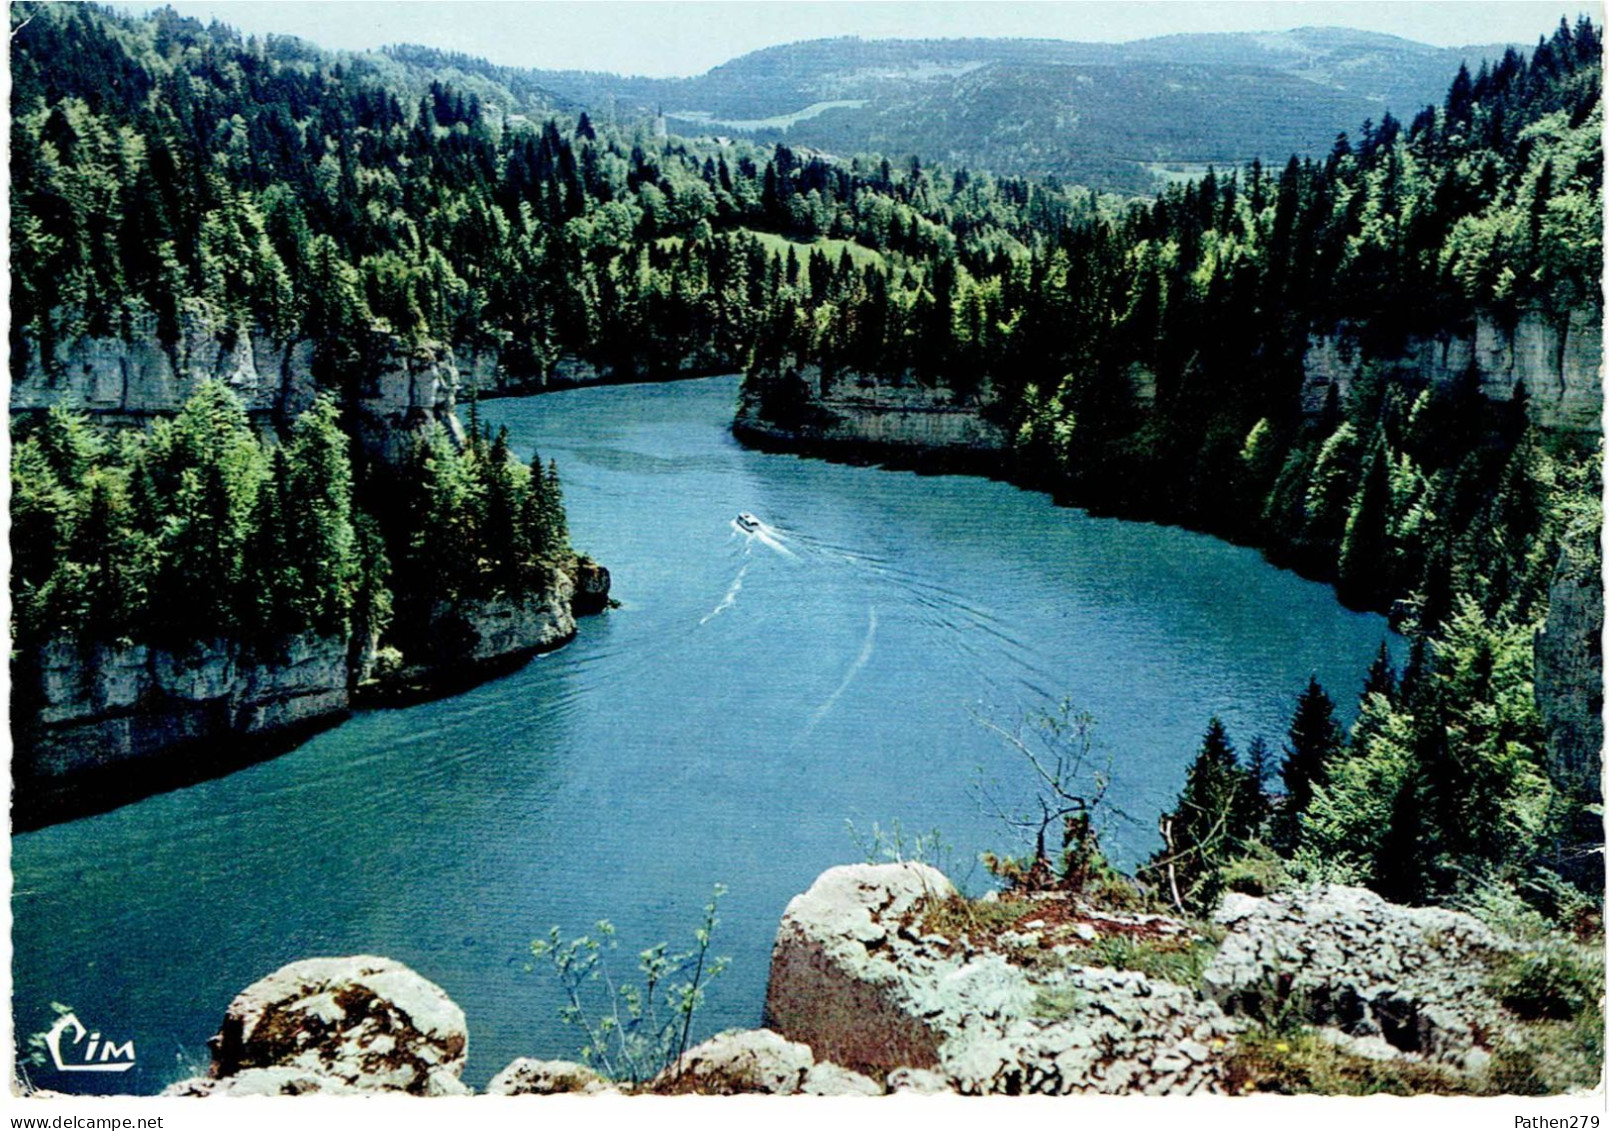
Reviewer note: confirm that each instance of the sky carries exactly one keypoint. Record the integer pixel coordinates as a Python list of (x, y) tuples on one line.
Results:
[(675, 37)]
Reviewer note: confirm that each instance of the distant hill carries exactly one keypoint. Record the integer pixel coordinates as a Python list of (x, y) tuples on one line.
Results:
[(1116, 116)]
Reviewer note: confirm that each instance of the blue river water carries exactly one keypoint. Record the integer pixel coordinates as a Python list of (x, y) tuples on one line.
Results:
[(756, 705)]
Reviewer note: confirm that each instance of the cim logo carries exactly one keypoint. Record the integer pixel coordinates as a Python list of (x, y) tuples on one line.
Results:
[(94, 1056)]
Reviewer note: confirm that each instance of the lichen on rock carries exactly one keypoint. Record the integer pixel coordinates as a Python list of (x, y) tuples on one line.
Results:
[(1344, 957), (855, 975), (369, 1023)]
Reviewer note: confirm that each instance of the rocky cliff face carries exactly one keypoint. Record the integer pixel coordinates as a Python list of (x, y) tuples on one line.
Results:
[(130, 378), (1559, 362), (102, 705), (859, 976), (860, 417), (83, 715), (1388, 981), (342, 1026), (92, 708), (405, 387), (1569, 666), (507, 627), (883, 968)]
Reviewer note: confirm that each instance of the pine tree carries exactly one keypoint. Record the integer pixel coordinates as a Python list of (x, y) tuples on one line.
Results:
[(1214, 816), (1315, 740)]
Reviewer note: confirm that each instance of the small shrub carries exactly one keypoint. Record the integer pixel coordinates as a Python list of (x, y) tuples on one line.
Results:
[(1546, 1058), (1258, 872), (955, 915), (894, 845), (1551, 984), (632, 1032), (1059, 1004)]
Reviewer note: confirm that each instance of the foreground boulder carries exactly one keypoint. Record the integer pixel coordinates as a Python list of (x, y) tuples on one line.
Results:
[(265, 1082), (855, 975), (364, 1023), (759, 1061), (1410, 977), (527, 1077)]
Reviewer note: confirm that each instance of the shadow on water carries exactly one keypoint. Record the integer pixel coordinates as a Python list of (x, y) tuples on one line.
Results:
[(37, 803)]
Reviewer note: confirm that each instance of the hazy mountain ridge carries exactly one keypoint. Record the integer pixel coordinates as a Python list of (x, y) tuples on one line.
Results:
[(1097, 112)]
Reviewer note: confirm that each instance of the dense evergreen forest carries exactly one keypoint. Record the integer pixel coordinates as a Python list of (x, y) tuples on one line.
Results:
[(1145, 356)]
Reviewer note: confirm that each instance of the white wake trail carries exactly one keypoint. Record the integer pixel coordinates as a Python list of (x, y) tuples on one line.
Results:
[(867, 646), (731, 596), (768, 536)]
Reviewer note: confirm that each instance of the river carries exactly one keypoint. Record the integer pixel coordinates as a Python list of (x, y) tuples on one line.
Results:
[(756, 705)]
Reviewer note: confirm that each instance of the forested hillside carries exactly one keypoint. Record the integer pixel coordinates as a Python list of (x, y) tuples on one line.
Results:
[(1113, 116)]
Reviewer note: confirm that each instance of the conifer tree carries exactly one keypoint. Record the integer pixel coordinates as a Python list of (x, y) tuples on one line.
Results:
[(1314, 741)]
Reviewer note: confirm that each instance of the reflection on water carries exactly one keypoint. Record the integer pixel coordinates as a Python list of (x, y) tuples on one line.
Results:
[(757, 689)]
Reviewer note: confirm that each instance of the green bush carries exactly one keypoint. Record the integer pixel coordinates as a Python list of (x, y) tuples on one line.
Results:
[(1551, 984)]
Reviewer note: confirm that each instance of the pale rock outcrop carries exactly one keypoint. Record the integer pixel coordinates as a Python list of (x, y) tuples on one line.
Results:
[(87, 707), (99, 705), (877, 416), (568, 370), (265, 1082), (592, 583), (918, 1081), (853, 976), (828, 1079), (508, 626), (1569, 666), (1345, 958), (480, 369), (131, 377), (407, 387), (135, 375), (739, 1061), (832, 983), (528, 1077), (759, 1061), (369, 1023), (1559, 361)]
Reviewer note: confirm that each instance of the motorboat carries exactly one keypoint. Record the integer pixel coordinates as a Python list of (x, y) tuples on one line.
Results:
[(747, 521)]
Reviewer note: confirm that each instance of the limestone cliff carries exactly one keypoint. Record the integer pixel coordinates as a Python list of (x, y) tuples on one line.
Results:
[(129, 378), (446, 645), (88, 711), (1569, 665), (133, 376), (95, 706), (858, 417), (885, 969), (83, 714), (1559, 362)]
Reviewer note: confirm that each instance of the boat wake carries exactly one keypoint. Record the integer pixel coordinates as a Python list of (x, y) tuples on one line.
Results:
[(867, 647), (731, 596), (756, 531)]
